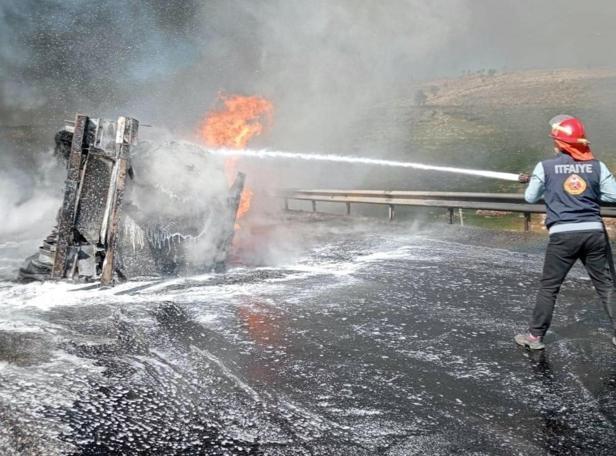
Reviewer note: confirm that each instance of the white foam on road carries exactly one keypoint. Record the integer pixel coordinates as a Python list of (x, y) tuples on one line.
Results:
[(341, 268), (16, 300)]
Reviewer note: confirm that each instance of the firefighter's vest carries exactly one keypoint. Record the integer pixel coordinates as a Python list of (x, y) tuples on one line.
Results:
[(572, 190)]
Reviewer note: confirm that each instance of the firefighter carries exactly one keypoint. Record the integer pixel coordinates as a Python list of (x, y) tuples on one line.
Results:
[(573, 183)]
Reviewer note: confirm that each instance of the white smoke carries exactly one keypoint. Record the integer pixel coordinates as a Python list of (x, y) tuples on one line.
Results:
[(329, 67), (29, 201), (182, 192)]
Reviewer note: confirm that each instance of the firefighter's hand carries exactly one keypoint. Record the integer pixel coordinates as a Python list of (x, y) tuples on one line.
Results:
[(524, 178)]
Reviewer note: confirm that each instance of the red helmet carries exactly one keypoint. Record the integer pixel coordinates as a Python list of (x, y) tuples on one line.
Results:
[(568, 129)]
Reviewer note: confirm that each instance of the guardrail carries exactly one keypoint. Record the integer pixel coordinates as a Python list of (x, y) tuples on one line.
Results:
[(505, 202)]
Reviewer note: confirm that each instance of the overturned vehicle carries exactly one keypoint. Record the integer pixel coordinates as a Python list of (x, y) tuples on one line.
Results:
[(135, 209)]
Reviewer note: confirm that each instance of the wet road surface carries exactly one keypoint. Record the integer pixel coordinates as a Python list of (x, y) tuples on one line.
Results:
[(373, 339)]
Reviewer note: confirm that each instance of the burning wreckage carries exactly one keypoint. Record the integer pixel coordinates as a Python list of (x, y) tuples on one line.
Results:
[(135, 209)]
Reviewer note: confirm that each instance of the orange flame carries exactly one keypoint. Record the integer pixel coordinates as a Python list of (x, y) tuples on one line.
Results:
[(244, 205), (233, 126)]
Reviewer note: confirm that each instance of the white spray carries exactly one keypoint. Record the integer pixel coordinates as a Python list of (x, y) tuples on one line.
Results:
[(264, 153)]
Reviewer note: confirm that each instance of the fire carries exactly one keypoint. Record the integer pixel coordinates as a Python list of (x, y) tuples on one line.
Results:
[(245, 200), (233, 126)]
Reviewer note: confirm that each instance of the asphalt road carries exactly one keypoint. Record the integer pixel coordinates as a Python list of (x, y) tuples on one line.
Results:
[(367, 339)]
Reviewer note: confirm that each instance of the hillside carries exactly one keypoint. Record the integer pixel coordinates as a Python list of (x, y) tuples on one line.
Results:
[(492, 120), (556, 88), (497, 121)]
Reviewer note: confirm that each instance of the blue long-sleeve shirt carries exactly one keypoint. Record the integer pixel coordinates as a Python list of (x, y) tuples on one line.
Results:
[(536, 186), (536, 190)]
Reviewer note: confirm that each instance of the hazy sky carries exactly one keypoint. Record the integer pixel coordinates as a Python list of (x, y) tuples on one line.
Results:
[(165, 60)]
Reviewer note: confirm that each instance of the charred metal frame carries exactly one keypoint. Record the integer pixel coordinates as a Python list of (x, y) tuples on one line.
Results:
[(71, 195), (126, 135), (87, 243), (66, 252)]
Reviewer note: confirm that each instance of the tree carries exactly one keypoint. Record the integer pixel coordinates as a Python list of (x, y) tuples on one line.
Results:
[(420, 98)]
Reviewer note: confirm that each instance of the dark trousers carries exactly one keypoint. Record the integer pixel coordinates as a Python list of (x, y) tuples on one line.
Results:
[(564, 249)]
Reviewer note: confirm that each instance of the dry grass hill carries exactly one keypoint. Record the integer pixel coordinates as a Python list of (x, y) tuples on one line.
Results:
[(492, 120)]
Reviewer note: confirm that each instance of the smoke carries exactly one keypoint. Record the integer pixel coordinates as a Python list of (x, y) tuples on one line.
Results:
[(165, 61), (39, 208), (342, 74), (529, 34), (180, 193), (29, 199), (59, 57), (170, 177)]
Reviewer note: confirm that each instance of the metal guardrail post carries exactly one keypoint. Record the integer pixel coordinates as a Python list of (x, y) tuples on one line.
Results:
[(348, 208), (314, 205), (450, 209), (526, 221), (392, 212)]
